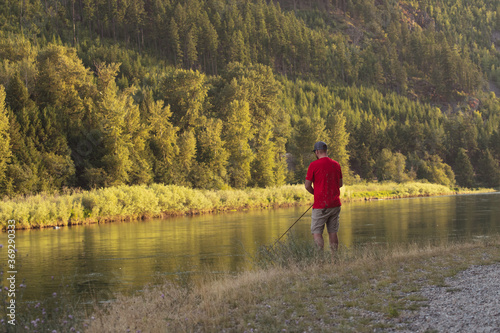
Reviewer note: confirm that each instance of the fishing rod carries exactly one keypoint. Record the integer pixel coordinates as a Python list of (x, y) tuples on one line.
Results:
[(292, 225)]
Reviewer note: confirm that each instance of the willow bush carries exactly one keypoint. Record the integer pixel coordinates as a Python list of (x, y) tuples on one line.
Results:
[(156, 200)]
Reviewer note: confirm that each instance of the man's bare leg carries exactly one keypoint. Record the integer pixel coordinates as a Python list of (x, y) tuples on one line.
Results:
[(318, 239), (334, 241)]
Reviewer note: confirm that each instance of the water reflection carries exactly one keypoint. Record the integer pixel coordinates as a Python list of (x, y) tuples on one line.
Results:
[(99, 260)]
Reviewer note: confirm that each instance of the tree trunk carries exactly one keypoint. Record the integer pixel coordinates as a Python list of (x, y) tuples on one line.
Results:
[(74, 25), (21, 16)]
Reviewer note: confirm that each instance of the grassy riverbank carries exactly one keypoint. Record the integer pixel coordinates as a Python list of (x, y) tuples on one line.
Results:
[(156, 200), (358, 290)]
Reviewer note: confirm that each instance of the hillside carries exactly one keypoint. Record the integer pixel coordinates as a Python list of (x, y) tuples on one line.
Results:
[(218, 94)]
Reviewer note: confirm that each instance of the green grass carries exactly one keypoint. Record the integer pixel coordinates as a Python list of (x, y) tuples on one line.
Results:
[(145, 201), (287, 253)]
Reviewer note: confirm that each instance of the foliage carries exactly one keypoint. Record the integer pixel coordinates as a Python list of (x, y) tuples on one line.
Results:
[(157, 200), (391, 166), (465, 171), (216, 95), (5, 151)]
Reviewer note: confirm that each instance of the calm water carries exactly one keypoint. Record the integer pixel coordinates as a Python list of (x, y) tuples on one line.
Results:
[(123, 257)]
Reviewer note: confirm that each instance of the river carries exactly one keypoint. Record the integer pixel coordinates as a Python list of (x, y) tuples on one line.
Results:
[(96, 261)]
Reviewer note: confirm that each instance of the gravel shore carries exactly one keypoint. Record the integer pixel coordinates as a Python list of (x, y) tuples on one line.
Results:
[(470, 302)]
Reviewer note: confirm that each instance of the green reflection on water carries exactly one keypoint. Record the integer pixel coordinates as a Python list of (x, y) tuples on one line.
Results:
[(123, 257)]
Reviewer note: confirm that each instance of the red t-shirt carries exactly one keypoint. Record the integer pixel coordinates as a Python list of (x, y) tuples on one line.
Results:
[(325, 174)]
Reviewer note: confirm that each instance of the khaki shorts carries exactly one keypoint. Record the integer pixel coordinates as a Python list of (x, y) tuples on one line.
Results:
[(328, 216)]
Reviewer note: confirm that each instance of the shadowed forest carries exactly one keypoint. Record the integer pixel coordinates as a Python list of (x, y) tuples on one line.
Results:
[(221, 94)]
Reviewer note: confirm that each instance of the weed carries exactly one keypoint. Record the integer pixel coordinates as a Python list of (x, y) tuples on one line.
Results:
[(59, 312), (297, 289), (393, 311), (288, 252)]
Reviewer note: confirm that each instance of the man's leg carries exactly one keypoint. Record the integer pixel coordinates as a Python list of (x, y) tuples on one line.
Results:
[(333, 227), (318, 239), (317, 227), (334, 241)]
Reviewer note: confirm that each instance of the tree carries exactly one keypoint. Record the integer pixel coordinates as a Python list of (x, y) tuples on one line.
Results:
[(22, 174), (366, 162), (464, 171), (495, 142), (212, 156), (124, 137), (162, 141), (436, 171), (488, 170), (63, 83), (305, 134), (237, 135), (185, 160), (236, 48), (17, 95), (191, 48), (209, 42), (56, 171), (264, 164), (338, 141), (175, 43), (5, 152), (391, 166), (257, 85), (137, 131), (185, 91)]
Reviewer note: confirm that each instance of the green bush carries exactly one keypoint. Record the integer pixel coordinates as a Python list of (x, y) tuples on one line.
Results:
[(134, 202)]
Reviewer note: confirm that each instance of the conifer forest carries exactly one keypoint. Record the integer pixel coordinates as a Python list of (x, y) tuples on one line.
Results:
[(220, 94)]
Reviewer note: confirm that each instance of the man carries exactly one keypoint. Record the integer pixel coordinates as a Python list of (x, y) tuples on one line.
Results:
[(326, 176)]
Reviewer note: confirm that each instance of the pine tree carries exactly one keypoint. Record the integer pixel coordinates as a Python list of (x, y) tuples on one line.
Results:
[(237, 135), (237, 49), (124, 137), (212, 156), (209, 43), (5, 151), (191, 49), (16, 94), (463, 169), (494, 143), (185, 91), (175, 43), (22, 175), (488, 170), (338, 140), (63, 83), (366, 162), (306, 133), (141, 172), (185, 160), (264, 163), (163, 141)]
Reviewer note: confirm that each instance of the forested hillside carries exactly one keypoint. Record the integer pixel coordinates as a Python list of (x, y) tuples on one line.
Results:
[(218, 93)]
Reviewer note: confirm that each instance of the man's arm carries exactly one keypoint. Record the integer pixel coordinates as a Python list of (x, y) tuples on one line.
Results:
[(341, 183), (309, 187)]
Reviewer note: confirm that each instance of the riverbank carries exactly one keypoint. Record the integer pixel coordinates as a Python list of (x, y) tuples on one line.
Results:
[(123, 203), (358, 290)]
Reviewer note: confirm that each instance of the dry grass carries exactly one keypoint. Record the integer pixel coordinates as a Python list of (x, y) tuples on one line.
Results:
[(356, 290)]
